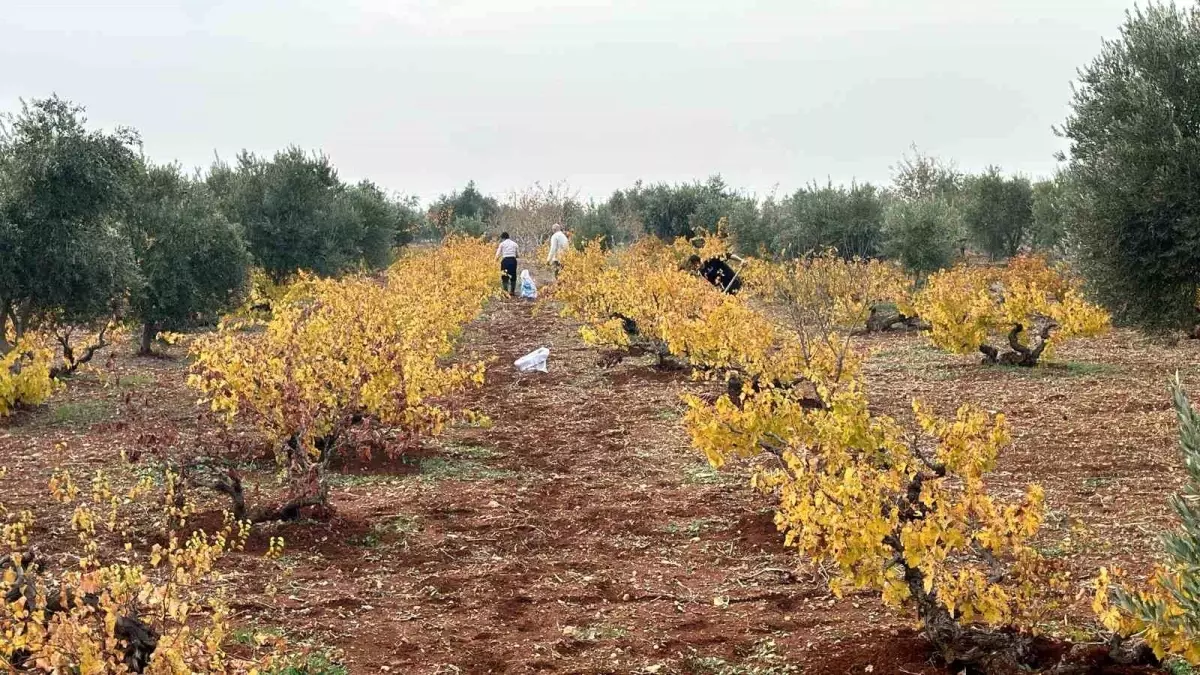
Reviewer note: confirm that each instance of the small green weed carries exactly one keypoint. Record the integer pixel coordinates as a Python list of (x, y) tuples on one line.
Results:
[(704, 474), (693, 528), (135, 380), (1180, 667), (388, 532), (315, 663), (83, 413)]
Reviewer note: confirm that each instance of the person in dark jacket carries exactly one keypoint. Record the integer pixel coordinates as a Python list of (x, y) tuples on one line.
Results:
[(718, 273)]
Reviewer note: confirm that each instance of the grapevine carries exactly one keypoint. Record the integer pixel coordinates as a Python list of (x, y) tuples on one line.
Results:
[(1036, 307), (25, 374), (134, 612), (346, 356)]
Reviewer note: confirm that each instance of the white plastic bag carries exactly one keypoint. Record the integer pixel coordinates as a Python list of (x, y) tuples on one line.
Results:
[(534, 360), (528, 288)]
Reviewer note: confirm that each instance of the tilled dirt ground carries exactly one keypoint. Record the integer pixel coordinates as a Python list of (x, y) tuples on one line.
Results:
[(580, 534)]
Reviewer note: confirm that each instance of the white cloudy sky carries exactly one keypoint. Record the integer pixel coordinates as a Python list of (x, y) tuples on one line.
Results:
[(421, 96)]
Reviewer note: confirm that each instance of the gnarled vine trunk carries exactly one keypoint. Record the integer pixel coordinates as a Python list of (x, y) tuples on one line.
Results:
[(71, 362), (1019, 354), (881, 322), (139, 638), (307, 478)]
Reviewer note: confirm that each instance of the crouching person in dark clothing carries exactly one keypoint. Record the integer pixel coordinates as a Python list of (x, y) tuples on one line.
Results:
[(506, 253), (718, 273)]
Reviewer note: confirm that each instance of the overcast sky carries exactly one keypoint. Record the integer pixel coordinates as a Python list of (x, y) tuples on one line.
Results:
[(421, 96)]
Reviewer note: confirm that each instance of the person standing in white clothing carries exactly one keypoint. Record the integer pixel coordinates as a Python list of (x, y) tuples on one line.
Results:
[(558, 246), (506, 253)]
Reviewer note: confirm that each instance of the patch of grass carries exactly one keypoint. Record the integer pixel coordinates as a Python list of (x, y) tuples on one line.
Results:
[(1052, 551), (693, 528), (1180, 667), (1064, 369), (468, 451), (462, 461), (909, 353), (389, 532), (315, 663), (453, 468), (1086, 368), (667, 414), (252, 637), (940, 374), (83, 413), (363, 479), (704, 474), (135, 380)]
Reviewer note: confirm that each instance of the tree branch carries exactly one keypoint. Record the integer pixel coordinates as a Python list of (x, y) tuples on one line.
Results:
[(71, 364), (1014, 341)]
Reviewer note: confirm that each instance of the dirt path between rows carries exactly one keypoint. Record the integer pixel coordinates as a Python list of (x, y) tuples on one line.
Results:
[(579, 534)]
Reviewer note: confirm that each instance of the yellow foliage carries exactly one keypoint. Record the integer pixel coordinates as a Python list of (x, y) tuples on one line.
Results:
[(842, 478), (909, 517), (828, 292), (967, 307), (25, 374), (1155, 612), (711, 245), (679, 312), (334, 349), (71, 620), (1163, 612), (263, 293)]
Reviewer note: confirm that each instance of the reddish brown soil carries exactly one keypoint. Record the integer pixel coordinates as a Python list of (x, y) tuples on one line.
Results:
[(580, 534)]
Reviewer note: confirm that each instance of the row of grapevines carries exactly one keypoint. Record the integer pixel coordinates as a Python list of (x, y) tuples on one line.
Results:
[(904, 512), (640, 296), (345, 354), (837, 292)]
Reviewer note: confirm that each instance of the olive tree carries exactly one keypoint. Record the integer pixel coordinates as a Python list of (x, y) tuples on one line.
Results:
[(922, 217), (63, 189), (1050, 210), (298, 215), (816, 218), (1134, 133), (193, 261), (997, 212), (920, 234)]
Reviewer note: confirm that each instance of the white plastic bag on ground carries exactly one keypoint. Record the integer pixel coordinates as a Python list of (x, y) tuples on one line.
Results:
[(534, 360), (528, 288)]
